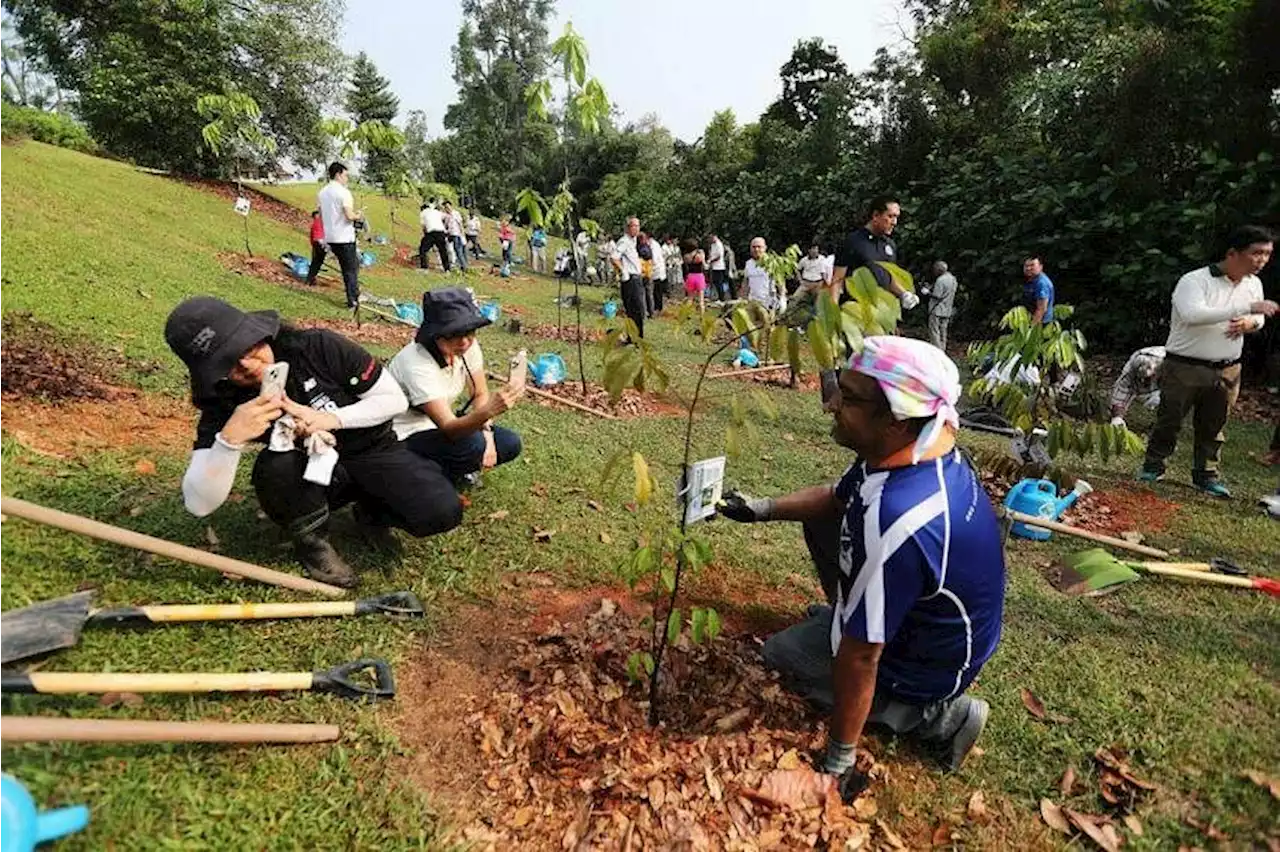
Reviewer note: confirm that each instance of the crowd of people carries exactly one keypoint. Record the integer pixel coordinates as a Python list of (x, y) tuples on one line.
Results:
[(906, 546)]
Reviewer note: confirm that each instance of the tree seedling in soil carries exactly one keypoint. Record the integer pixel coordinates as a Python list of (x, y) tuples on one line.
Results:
[(235, 132)]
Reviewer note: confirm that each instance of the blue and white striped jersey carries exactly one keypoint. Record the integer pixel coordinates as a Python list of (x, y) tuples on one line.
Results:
[(922, 571)]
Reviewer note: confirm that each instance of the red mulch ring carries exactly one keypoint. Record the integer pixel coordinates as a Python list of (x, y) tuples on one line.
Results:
[(373, 331), (567, 333), (37, 361), (1125, 508), (259, 202), (631, 404), (534, 738)]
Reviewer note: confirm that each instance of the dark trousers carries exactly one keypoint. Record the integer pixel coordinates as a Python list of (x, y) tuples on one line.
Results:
[(633, 301), (465, 454), (438, 241), (659, 294), (1208, 394), (395, 487), (720, 284), (318, 253), (459, 251), (802, 655), (474, 241), (349, 263)]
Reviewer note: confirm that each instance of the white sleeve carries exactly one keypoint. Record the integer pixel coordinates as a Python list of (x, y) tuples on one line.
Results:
[(209, 478), (1188, 299), (377, 405)]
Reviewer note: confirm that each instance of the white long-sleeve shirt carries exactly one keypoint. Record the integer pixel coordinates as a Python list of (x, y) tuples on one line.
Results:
[(212, 470), (1204, 302)]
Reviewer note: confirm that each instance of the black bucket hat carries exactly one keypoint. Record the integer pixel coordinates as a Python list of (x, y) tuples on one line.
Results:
[(449, 312), (210, 336)]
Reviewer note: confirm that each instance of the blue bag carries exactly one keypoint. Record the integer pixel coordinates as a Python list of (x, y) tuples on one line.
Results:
[(547, 369)]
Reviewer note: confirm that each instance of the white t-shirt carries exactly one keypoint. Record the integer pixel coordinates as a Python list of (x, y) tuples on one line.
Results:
[(625, 251), (473, 225), (331, 201), (1203, 305), (715, 257), (431, 219), (760, 286), (453, 224), (813, 270), (423, 380)]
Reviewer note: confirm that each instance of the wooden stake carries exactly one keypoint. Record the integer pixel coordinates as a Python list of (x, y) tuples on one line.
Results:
[(545, 395), (749, 371), (29, 729)]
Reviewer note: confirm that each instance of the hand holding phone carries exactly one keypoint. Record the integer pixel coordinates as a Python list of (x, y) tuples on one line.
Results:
[(273, 380)]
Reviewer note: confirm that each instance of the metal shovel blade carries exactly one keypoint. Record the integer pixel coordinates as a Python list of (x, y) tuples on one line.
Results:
[(43, 627)]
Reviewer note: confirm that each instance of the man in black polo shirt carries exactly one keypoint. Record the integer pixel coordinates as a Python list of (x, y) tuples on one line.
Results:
[(870, 243)]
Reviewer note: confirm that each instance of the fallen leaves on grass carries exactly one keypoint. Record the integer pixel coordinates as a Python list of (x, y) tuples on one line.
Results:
[(541, 535), (1134, 824), (43, 363), (497, 516), (1053, 816), (1266, 782), (568, 333), (1068, 782), (977, 807), (632, 403), (128, 699), (1036, 708), (1118, 785), (370, 330), (1097, 829), (1208, 829)]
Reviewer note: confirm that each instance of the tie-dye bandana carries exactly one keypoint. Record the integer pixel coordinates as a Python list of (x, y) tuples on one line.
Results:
[(918, 379)]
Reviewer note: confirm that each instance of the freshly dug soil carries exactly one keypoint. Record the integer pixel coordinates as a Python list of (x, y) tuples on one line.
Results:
[(1126, 508), (271, 270), (42, 363), (128, 420)]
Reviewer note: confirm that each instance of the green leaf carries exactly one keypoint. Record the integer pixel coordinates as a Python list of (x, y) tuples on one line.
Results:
[(793, 349), (698, 625), (647, 660), (674, 622), (732, 441), (668, 578), (765, 404), (740, 321), (777, 343), (899, 275), (713, 624), (634, 666), (821, 347)]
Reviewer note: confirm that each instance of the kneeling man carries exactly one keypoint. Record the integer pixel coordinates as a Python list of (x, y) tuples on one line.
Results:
[(909, 553)]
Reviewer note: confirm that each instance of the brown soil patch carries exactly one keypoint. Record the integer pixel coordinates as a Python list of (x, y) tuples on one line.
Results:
[(1121, 509), (38, 361), (631, 404), (271, 270), (567, 333), (375, 331), (127, 419), (260, 202), (779, 378)]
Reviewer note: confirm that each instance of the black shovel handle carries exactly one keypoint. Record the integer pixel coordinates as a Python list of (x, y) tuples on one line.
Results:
[(338, 680), (392, 603)]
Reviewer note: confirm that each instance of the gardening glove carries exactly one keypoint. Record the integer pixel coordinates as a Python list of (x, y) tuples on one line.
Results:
[(745, 510), (322, 457), (909, 300), (839, 758), (283, 433)]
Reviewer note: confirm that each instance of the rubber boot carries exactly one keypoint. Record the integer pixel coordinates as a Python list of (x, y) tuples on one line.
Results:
[(321, 562), (376, 535)]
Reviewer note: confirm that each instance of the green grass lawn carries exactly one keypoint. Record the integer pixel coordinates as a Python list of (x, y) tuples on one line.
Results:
[(1183, 676)]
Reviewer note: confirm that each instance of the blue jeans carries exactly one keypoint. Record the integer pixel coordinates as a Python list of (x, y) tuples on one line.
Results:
[(460, 251), (464, 454)]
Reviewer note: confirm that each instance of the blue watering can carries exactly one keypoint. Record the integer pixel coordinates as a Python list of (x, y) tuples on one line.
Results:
[(409, 311), (22, 826), (1039, 497), (368, 258), (505, 272), (747, 358), (491, 311), (547, 369), (610, 309), (381, 240), (301, 267)]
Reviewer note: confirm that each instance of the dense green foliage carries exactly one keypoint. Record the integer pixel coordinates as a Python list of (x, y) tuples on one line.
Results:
[(138, 67), (55, 128), (370, 99)]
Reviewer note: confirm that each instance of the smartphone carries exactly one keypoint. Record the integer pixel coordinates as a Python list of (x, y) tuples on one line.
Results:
[(273, 380), (519, 369)]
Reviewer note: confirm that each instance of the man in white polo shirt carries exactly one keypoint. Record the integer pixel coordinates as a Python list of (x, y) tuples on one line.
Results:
[(1213, 307), (433, 235), (339, 217), (757, 284)]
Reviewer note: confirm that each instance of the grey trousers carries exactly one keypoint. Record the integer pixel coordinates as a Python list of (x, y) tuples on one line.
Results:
[(801, 654), (938, 331)]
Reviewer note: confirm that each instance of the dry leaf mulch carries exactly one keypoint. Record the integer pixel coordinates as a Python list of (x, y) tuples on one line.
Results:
[(779, 378), (271, 270), (545, 745), (260, 202), (37, 361), (371, 330), (567, 333)]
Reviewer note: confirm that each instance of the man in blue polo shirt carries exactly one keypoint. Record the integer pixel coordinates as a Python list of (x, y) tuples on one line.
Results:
[(909, 553), (1037, 291)]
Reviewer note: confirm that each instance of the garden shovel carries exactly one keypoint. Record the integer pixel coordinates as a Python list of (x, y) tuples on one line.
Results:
[(51, 625), (349, 680), (1095, 570)]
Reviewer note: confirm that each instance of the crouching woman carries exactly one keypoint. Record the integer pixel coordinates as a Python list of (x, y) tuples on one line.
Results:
[(335, 446), (443, 363)]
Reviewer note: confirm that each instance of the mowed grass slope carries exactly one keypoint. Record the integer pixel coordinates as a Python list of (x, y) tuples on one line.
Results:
[(1185, 677)]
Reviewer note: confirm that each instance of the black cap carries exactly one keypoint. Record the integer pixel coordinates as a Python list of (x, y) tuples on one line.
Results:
[(210, 336), (449, 312)]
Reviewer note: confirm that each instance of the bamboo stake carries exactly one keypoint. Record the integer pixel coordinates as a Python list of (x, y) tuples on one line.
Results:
[(545, 395), (749, 371), (30, 729)]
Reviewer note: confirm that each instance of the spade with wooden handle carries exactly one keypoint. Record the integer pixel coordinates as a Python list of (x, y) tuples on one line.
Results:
[(44, 729), (160, 547), (350, 680), (51, 625), (1067, 529)]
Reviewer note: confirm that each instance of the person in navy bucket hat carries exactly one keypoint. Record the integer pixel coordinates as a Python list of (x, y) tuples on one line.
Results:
[(333, 386)]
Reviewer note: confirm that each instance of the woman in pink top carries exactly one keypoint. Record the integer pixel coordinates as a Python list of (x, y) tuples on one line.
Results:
[(507, 236)]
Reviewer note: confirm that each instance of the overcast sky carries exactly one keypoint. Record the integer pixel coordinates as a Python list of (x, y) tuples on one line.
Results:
[(643, 53)]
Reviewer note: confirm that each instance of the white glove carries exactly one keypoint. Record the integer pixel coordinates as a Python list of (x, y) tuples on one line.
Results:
[(909, 300), (322, 457), (1117, 421)]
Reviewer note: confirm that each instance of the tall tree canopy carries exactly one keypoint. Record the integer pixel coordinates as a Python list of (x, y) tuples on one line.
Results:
[(138, 67), (370, 98)]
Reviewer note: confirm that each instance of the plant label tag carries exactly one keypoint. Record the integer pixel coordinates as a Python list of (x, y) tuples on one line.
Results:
[(703, 490), (242, 205)]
